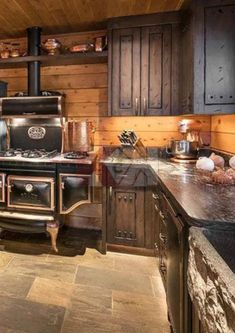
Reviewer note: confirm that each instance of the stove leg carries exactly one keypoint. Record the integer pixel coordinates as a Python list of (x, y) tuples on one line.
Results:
[(53, 229)]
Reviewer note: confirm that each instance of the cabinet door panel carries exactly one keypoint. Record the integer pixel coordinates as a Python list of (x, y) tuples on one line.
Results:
[(220, 55), (126, 72), (126, 218), (156, 70)]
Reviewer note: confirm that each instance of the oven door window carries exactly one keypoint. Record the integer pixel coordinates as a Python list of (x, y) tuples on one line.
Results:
[(2, 187), (74, 191), (31, 192)]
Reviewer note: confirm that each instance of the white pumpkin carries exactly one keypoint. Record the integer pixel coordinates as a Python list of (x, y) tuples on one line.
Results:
[(205, 163), (232, 162), (218, 160)]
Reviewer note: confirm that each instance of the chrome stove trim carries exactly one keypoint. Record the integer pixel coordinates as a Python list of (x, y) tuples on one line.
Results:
[(2, 186), (23, 216)]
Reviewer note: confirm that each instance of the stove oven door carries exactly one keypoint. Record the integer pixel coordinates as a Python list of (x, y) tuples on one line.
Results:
[(2, 187), (35, 193), (75, 190)]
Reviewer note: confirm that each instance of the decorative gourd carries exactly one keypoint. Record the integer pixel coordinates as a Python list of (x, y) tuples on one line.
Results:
[(205, 163)]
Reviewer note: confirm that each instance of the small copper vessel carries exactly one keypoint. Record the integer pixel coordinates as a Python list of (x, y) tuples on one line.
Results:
[(51, 45)]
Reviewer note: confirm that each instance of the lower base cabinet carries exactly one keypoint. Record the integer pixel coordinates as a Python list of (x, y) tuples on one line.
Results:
[(128, 200), (125, 217)]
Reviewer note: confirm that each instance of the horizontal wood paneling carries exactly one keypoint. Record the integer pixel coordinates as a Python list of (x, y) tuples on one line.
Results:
[(223, 133), (85, 89)]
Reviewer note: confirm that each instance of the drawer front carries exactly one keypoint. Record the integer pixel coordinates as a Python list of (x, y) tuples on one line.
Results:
[(124, 176), (35, 193)]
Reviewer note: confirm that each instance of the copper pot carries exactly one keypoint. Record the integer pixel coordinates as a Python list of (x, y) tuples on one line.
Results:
[(79, 136)]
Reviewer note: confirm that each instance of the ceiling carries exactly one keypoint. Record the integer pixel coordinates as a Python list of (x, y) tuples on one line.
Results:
[(63, 16)]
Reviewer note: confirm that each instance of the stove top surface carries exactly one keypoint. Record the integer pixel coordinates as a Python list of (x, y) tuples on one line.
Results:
[(34, 153), (42, 155)]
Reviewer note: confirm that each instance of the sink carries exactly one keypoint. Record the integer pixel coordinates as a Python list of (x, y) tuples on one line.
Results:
[(224, 244)]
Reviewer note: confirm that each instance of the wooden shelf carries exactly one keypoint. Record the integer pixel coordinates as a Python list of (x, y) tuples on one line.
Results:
[(57, 60)]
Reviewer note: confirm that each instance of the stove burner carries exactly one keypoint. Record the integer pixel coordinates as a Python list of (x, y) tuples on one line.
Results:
[(76, 155), (8, 153), (35, 153)]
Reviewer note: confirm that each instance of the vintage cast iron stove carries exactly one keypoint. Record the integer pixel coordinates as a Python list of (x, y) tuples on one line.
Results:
[(38, 184)]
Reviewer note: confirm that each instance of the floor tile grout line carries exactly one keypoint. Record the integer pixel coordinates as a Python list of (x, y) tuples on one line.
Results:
[(8, 263)]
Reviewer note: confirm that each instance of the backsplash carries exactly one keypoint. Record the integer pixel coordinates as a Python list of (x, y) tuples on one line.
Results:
[(223, 133)]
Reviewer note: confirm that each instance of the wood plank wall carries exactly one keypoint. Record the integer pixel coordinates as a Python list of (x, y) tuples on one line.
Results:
[(223, 133), (85, 87)]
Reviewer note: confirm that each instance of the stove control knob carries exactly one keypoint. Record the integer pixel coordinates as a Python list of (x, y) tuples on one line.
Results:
[(28, 188)]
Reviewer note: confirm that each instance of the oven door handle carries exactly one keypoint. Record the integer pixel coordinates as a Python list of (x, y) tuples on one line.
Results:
[(29, 113)]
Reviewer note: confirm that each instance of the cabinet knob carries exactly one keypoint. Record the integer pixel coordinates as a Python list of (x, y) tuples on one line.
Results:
[(119, 197), (125, 198), (130, 235), (130, 198), (125, 234), (119, 233)]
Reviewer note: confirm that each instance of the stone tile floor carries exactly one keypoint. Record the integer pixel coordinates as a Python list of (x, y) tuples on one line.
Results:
[(49, 293)]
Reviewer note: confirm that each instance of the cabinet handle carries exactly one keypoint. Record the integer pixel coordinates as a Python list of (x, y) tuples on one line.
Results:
[(162, 215), (145, 106), (62, 185), (110, 198), (155, 196), (163, 269), (136, 106), (163, 238)]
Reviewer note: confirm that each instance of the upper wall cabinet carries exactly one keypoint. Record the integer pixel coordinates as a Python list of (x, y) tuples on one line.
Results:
[(208, 58), (143, 65)]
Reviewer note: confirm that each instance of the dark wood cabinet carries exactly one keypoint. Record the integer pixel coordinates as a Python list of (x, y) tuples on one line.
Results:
[(143, 68), (129, 206), (126, 225), (126, 72), (208, 58), (156, 70)]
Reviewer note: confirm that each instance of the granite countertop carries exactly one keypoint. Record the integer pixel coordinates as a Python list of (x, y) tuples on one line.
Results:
[(204, 204)]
